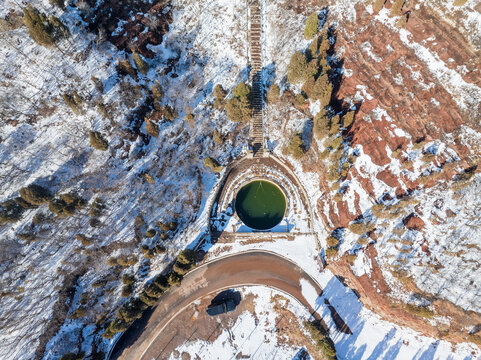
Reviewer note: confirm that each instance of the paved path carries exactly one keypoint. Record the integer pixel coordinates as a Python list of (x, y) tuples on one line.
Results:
[(256, 129), (248, 268)]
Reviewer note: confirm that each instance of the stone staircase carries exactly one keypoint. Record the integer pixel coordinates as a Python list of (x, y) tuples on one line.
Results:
[(256, 130)]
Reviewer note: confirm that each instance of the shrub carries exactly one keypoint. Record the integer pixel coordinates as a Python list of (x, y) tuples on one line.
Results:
[(44, 31), (323, 343), (402, 21), (189, 117), (334, 127), (338, 196), (318, 89), (220, 95), (20, 201), (10, 212), (118, 325), (332, 241), (299, 69), (150, 233), (332, 174), (336, 143), (459, 2), (78, 313), (140, 63), (162, 282), (273, 94), (331, 252), (185, 261), (218, 138), (97, 141), (96, 207), (147, 300), (361, 228), (66, 205), (127, 290), (350, 258), (159, 249), (125, 67), (99, 86), (239, 108), (169, 113), (73, 356), (312, 24), (174, 279), (321, 124), (27, 236), (296, 146), (421, 311), (153, 291), (128, 279), (84, 240), (35, 194), (348, 118), (151, 128), (131, 311), (396, 8), (300, 100), (73, 102), (378, 5), (212, 164), (475, 338)]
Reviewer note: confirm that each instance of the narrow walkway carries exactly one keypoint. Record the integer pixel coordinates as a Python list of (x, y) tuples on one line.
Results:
[(256, 130)]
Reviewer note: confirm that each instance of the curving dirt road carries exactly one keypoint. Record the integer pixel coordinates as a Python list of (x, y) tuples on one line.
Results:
[(249, 268)]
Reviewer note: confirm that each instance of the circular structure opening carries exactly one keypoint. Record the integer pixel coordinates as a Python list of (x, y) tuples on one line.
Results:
[(260, 205)]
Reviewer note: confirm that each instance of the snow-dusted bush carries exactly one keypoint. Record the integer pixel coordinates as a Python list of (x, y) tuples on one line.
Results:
[(44, 31), (300, 69), (318, 89), (321, 337), (321, 124), (58, 3), (296, 146), (312, 24), (74, 101), (127, 290), (300, 100), (218, 138), (360, 228), (97, 141), (396, 8), (212, 164), (239, 107), (10, 212), (140, 63), (273, 94), (378, 5), (66, 205), (219, 94), (35, 194), (84, 240), (150, 233)]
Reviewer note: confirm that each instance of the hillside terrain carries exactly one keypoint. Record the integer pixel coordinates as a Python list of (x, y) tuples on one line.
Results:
[(114, 134)]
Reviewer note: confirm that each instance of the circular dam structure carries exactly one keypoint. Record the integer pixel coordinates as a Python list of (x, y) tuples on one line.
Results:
[(260, 205)]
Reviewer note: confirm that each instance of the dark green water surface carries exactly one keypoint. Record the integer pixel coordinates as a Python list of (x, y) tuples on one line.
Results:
[(260, 205)]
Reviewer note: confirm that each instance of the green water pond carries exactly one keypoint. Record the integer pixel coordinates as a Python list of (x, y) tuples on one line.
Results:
[(260, 205)]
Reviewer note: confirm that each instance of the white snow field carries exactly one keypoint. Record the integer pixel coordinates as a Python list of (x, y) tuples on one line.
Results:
[(43, 141)]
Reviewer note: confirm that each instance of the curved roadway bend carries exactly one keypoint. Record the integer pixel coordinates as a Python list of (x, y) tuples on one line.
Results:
[(249, 268)]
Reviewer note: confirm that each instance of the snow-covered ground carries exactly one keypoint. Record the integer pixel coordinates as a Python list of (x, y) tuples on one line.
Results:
[(252, 335), (372, 337), (43, 141), (50, 145)]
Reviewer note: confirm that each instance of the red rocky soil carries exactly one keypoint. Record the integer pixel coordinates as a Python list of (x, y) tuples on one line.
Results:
[(412, 109)]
